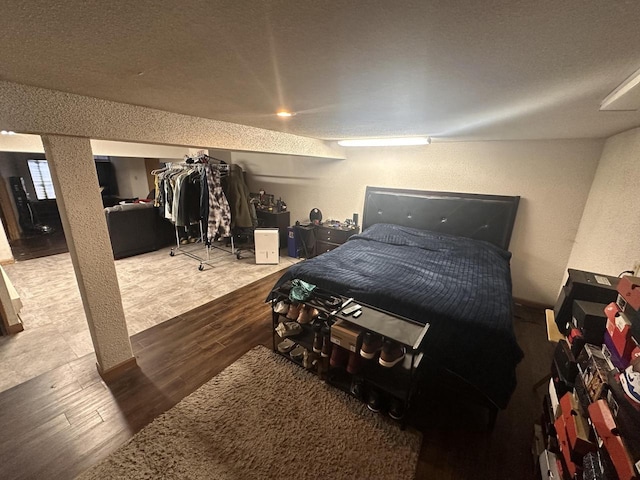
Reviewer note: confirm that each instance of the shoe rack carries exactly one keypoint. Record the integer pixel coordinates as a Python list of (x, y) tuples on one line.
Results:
[(387, 389)]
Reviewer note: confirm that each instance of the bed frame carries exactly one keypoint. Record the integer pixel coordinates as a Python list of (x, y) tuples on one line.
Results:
[(481, 217)]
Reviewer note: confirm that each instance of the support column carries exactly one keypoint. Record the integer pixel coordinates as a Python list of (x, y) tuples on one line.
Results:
[(78, 197)]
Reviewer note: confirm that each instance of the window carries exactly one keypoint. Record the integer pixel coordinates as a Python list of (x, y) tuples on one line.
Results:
[(41, 177)]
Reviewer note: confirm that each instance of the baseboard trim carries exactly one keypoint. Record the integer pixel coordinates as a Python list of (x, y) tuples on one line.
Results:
[(15, 328), (115, 372), (528, 303)]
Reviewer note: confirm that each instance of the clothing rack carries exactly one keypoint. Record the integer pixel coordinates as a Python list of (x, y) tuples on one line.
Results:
[(192, 162), (179, 249)]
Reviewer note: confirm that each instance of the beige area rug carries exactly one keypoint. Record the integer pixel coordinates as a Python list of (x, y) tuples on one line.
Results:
[(264, 417)]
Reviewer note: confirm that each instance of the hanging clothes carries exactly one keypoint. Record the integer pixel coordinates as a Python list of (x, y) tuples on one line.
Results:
[(219, 221), (237, 192)]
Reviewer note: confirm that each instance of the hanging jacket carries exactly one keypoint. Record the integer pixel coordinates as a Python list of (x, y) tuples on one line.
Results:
[(237, 193)]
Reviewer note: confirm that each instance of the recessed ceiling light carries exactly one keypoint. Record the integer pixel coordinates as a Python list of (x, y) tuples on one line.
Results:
[(285, 114), (7, 132), (385, 142)]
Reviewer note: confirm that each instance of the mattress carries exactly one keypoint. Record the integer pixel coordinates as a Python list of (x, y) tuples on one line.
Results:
[(460, 286)]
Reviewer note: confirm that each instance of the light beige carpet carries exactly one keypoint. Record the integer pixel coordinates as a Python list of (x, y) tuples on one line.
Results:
[(264, 417)]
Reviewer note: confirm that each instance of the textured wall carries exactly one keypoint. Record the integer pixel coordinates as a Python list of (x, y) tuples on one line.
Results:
[(552, 177), (131, 177), (76, 183), (608, 240), (37, 110)]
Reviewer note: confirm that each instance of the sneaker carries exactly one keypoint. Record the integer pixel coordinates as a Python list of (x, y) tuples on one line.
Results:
[(308, 359), (339, 357), (323, 367), (630, 380), (317, 342), (371, 345), (288, 329), (281, 307), (374, 401), (307, 313), (355, 363), (322, 317), (327, 346), (357, 388), (297, 353), (396, 409), (286, 346), (294, 311), (392, 353)]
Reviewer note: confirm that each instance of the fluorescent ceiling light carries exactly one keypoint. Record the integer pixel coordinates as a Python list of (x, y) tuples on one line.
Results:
[(285, 114), (5, 132), (385, 142), (626, 96)]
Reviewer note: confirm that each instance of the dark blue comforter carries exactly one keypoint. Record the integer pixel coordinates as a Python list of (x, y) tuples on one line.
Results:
[(462, 287)]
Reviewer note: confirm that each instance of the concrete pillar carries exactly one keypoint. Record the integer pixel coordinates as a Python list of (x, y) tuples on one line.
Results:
[(75, 181), (5, 249)]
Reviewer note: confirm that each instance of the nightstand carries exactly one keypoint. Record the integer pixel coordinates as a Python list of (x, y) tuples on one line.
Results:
[(329, 237)]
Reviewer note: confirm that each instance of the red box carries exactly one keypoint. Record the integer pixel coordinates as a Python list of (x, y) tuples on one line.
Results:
[(629, 289), (611, 311), (577, 428), (605, 427), (621, 336), (563, 443)]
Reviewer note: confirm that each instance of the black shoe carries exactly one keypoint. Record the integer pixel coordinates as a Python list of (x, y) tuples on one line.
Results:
[(327, 346), (374, 402), (317, 338), (357, 388), (396, 409)]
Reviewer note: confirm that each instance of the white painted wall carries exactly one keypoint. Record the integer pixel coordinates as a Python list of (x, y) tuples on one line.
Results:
[(33, 143), (552, 177), (608, 240), (131, 176)]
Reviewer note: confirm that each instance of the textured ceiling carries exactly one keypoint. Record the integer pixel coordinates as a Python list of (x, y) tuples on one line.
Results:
[(508, 69)]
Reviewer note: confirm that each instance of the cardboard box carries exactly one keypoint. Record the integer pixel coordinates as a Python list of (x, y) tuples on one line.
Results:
[(606, 429), (346, 335), (629, 289), (577, 428), (549, 466)]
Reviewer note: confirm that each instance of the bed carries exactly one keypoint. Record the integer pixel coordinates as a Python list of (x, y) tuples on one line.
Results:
[(440, 258)]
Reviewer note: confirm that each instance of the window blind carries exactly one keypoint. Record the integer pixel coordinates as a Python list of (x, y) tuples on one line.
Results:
[(41, 177)]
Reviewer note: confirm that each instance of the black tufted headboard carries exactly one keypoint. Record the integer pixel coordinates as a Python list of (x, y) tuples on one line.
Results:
[(482, 217)]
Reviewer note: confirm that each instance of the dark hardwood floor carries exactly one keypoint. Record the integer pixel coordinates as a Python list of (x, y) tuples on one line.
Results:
[(60, 423), (37, 246)]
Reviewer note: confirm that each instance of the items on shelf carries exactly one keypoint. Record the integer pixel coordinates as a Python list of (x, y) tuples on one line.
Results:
[(357, 348), (590, 427), (266, 202), (309, 240)]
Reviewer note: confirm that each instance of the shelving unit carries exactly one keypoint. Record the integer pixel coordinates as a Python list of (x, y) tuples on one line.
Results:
[(398, 382)]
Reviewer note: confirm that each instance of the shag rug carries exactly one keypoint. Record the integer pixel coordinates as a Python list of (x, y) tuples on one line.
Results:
[(264, 417)]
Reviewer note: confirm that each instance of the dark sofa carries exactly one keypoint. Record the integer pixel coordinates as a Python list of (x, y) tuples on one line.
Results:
[(136, 228)]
